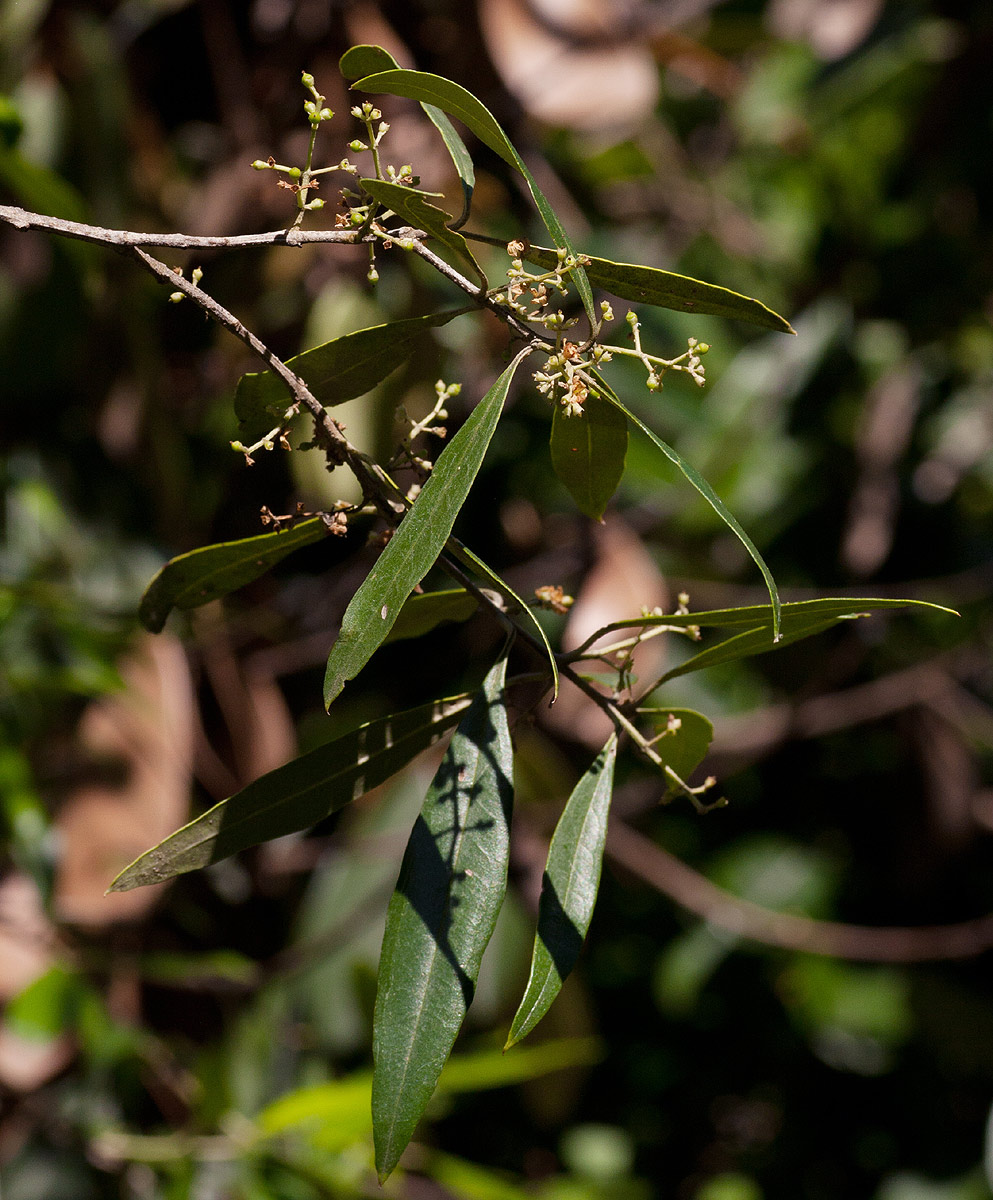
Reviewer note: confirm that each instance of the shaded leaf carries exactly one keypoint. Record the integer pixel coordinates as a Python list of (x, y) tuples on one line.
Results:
[(339, 370), (202, 575), (417, 542), (664, 289), (47, 1007), (468, 558), (681, 739), (751, 642), (299, 794), (360, 61), (588, 453), (568, 890), (422, 613), (456, 101), (414, 207), (451, 886), (708, 493)]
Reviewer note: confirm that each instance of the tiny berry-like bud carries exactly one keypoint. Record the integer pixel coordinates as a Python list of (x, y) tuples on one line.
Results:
[(631, 318), (375, 114), (315, 204), (357, 145), (702, 347), (356, 112), (294, 172), (325, 114), (373, 275), (308, 81), (310, 108), (259, 165)]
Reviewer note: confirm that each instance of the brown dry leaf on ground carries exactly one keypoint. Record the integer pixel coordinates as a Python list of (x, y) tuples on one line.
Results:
[(623, 580), (585, 87)]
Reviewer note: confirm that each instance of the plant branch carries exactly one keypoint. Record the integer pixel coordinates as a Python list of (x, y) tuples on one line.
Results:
[(834, 939)]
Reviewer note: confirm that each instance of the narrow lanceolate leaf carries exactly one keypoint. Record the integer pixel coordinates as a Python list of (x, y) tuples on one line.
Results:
[(336, 371), (568, 890), (423, 613), (664, 289), (761, 615), (360, 61), (298, 795), (452, 883), (457, 102), (475, 563), (681, 739), (460, 158), (588, 453), (417, 542), (712, 498), (753, 641), (202, 575), (415, 208)]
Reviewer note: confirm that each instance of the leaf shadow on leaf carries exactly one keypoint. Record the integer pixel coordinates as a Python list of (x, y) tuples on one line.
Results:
[(559, 933), (433, 884)]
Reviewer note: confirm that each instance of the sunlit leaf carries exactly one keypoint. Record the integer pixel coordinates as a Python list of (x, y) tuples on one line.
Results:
[(360, 61), (339, 370), (46, 1007), (202, 575), (441, 916), (664, 289), (681, 738), (568, 890), (417, 542), (423, 613), (457, 102), (588, 453), (416, 209), (703, 487), (299, 794)]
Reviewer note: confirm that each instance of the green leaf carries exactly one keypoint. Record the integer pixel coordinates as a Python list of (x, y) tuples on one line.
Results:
[(568, 890), (834, 607), (360, 61), (473, 561), (339, 370), (681, 740), (47, 1007), (708, 493), (588, 453), (460, 157), (417, 542), (343, 1104), (751, 642), (422, 613), (664, 289), (413, 206), (202, 575), (457, 102), (451, 886), (299, 794)]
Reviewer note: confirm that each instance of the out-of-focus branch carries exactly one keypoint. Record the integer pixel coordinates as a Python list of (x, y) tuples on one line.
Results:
[(864, 943)]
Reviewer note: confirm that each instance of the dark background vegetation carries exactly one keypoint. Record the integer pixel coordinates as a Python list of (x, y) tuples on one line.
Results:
[(829, 158)]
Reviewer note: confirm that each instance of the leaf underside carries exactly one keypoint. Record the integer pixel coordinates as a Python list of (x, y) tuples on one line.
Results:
[(451, 886)]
